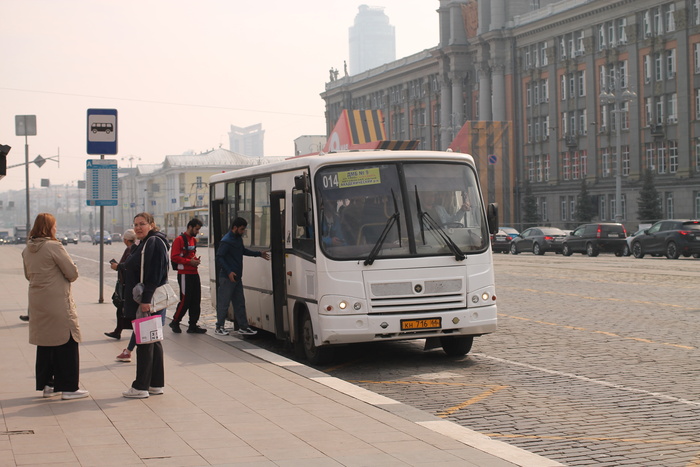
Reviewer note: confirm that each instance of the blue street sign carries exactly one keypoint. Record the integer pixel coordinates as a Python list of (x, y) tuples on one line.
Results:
[(102, 131), (492, 159), (102, 182)]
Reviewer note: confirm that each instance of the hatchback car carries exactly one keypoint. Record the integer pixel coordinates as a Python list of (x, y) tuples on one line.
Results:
[(593, 239), (539, 240), (671, 237), (72, 237), (61, 237)]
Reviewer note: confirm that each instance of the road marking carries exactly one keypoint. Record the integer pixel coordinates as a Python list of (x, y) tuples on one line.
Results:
[(493, 388), (593, 438), (605, 333), (586, 379)]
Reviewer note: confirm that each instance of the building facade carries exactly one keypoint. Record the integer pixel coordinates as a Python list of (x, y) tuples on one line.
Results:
[(550, 68), (249, 140)]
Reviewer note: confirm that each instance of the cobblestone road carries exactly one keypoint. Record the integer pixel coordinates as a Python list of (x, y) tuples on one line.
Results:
[(596, 362)]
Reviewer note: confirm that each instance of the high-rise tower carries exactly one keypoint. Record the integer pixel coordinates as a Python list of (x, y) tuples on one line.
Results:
[(372, 40)]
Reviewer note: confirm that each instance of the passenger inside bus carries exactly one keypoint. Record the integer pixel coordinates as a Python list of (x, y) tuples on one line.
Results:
[(331, 231)]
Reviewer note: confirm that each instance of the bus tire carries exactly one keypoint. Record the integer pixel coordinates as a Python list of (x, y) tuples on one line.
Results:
[(457, 346), (315, 355)]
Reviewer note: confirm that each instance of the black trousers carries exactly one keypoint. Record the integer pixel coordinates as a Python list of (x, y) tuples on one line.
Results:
[(190, 298), (149, 366), (58, 366)]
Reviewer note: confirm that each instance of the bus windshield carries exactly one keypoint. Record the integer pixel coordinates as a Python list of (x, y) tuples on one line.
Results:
[(386, 210)]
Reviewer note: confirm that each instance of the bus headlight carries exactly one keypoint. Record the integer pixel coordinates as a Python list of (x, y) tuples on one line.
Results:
[(483, 297), (334, 304)]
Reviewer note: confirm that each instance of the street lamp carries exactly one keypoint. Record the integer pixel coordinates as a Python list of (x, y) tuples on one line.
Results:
[(616, 96)]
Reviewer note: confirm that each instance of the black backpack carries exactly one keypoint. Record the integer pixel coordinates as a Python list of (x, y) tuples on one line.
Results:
[(184, 249)]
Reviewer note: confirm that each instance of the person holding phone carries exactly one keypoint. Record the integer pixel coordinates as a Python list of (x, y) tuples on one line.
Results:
[(129, 238), (184, 257)]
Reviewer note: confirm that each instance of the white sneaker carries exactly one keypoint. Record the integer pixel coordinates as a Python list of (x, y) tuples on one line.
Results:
[(79, 394), (221, 332), (49, 392), (247, 332), (134, 393), (155, 391)]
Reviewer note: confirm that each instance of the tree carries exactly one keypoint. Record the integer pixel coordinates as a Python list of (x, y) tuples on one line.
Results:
[(530, 217), (585, 209), (649, 202)]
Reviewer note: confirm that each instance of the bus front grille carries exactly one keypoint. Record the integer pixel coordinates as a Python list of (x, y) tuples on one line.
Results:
[(417, 296)]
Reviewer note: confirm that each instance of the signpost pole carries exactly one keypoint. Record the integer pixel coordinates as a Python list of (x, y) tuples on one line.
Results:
[(26, 178), (102, 248)]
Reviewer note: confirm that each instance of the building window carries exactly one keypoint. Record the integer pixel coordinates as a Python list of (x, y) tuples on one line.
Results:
[(563, 87), (661, 158), (622, 33), (605, 162), (603, 202), (543, 53), (566, 166), (530, 170), (697, 155), (538, 170), (625, 161), (671, 63), (581, 83), (584, 163), (647, 68), (572, 207), (543, 209), (673, 156), (670, 17), (658, 67), (546, 167), (696, 56), (669, 206), (650, 156), (697, 205), (697, 104), (602, 43), (563, 209), (696, 12), (672, 106), (545, 90)]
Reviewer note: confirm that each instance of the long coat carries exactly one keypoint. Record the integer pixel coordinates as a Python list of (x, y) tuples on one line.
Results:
[(52, 314)]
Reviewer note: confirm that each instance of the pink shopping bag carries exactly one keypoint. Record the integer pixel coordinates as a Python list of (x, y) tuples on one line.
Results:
[(148, 330)]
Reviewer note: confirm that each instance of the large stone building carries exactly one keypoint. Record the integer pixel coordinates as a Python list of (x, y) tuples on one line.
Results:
[(570, 76)]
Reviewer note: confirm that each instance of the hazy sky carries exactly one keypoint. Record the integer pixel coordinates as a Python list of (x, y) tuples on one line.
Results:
[(178, 72)]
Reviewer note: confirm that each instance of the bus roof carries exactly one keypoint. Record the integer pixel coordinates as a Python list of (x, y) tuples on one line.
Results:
[(319, 160)]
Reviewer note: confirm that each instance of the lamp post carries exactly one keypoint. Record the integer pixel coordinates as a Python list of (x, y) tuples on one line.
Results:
[(616, 96)]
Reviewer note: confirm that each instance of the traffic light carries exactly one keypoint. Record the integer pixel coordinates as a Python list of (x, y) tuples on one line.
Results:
[(4, 149)]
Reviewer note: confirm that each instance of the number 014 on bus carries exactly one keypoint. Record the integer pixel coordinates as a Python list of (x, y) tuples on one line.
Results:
[(365, 247)]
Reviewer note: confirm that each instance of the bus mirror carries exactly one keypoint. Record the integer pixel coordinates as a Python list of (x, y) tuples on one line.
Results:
[(301, 182), (492, 217), (302, 205)]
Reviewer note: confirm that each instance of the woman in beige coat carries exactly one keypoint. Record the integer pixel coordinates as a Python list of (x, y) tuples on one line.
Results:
[(53, 326)]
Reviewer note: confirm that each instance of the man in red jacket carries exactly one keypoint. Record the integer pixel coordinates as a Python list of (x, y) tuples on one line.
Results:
[(184, 257)]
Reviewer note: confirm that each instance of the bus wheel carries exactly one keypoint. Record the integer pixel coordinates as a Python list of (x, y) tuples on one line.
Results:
[(457, 346), (315, 355)]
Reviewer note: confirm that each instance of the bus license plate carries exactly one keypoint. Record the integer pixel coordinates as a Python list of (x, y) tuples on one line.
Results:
[(429, 323)]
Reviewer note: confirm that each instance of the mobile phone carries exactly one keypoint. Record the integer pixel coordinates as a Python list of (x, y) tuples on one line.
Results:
[(112, 260)]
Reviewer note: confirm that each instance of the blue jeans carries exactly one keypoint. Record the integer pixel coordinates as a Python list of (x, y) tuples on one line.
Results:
[(132, 340), (230, 292)]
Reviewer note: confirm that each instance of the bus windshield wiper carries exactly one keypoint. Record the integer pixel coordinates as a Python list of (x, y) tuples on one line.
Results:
[(393, 219), (425, 218)]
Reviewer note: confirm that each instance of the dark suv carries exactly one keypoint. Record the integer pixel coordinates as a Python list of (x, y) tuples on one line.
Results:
[(593, 239), (671, 237)]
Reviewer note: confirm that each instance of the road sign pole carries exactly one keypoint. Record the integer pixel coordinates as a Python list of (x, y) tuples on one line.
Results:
[(102, 249), (26, 178)]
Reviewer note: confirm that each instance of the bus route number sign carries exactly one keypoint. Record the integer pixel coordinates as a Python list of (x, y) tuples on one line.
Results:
[(352, 178)]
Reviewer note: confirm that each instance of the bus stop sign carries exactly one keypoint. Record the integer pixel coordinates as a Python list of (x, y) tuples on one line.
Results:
[(102, 131)]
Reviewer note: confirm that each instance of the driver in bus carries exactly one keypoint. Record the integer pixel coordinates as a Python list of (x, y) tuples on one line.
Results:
[(331, 232), (438, 212)]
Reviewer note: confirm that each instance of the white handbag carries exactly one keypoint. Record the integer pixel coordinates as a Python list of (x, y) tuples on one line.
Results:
[(163, 296)]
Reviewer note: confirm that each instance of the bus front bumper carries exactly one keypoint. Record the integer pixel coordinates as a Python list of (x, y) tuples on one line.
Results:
[(348, 329)]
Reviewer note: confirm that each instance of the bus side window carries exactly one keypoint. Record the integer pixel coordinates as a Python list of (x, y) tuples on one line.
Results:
[(303, 228)]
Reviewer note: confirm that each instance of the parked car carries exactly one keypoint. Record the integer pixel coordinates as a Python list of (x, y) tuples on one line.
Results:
[(670, 237), (105, 237), (71, 237), (61, 237), (630, 238), (510, 231), (500, 241), (539, 240), (593, 239)]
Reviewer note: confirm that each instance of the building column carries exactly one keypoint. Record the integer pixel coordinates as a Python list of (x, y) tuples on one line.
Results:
[(499, 93), (457, 116), (445, 113), (485, 93)]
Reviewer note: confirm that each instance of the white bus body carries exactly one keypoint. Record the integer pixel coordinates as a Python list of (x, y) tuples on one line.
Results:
[(428, 278)]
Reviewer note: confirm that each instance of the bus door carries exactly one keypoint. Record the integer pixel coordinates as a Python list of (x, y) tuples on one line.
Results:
[(277, 258)]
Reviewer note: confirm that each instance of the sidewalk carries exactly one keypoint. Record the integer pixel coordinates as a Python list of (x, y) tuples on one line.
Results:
[(226, 402)]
